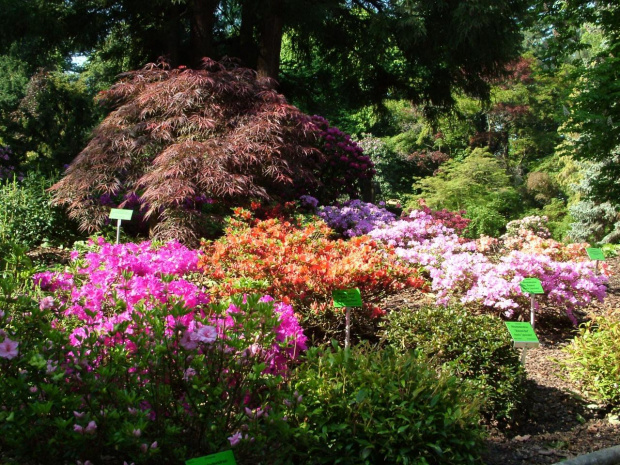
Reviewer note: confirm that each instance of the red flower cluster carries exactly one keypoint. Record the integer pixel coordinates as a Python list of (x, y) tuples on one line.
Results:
[(301, 265)]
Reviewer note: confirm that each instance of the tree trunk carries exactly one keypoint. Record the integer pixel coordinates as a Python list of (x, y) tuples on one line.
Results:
[(248, 48), (268, 64), (202, 20), (172, 36)]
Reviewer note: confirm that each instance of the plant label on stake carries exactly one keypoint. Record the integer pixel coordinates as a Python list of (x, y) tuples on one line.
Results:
[(347, 298), (120, 214), (221, 458), (523, 336), (595, 254), (531, 286)]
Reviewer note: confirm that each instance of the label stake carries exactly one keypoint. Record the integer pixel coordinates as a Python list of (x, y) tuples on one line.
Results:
[(347, 298), (118, 230), (597, 255), (523, 337), (531, 286), (347, 335), (120, 214)]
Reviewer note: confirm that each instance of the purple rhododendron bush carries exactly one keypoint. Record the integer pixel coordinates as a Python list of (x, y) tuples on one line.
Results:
[(123, 359)]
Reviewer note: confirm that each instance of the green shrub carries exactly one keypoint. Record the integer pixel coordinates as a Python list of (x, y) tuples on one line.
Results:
[(594, 358), (475, 348), (485, 220), (369, 406), (26, 215), (16, 269)]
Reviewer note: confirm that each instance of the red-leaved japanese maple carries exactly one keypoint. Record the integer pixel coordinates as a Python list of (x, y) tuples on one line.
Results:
[(175, 135)]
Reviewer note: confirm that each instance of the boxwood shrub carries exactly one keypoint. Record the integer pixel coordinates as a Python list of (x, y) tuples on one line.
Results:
[(371, 406), (474, 348)]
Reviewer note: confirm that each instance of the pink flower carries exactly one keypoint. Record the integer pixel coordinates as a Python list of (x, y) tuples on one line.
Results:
[(1, 313), (205, 334), (78, 429), (90, 428), (235, 438), (46, 303), (8, 349), (187, 341)]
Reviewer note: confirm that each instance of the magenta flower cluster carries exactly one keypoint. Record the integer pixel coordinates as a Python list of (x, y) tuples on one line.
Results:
[(346, 162), (355, 218), (141, 276)]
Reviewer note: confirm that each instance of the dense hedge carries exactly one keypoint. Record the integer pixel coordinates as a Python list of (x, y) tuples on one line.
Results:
[(369, 406), (476, 348)]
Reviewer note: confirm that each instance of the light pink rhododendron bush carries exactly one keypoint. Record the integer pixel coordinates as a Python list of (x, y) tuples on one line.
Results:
[(486, 273), (123, 357)]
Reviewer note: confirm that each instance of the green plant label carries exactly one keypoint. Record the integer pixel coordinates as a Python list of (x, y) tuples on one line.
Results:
[(221, 458), (595, 254), (347, 298), (531, 286), (522, 334), (120, 214)]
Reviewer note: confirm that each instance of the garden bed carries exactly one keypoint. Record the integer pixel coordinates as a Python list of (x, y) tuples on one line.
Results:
[(556, 420)]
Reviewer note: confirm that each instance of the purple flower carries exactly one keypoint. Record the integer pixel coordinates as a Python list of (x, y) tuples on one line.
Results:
[(235, 438), (8, 349)]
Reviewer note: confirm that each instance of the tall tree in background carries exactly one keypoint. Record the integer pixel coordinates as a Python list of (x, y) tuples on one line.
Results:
[(422, 48), (592, 129), (341, 55)]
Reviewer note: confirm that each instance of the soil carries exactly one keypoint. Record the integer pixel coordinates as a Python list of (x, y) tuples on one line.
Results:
[(557, 420)]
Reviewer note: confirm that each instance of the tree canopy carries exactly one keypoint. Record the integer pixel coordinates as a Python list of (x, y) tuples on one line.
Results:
[(422, 50)]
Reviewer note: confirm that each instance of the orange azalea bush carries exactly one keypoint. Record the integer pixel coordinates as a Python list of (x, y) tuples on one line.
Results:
[(300, 264)]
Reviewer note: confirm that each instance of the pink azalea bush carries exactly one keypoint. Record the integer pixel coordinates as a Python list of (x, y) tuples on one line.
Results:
[(126, 357), (459, 271)]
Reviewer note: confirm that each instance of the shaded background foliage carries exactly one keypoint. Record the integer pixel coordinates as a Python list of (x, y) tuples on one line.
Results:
[(546, 75)]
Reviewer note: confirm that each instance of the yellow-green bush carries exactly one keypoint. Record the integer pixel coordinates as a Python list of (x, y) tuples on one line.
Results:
[(594, 358)]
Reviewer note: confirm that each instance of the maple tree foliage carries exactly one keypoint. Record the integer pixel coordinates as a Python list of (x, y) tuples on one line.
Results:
[(175, 134)]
